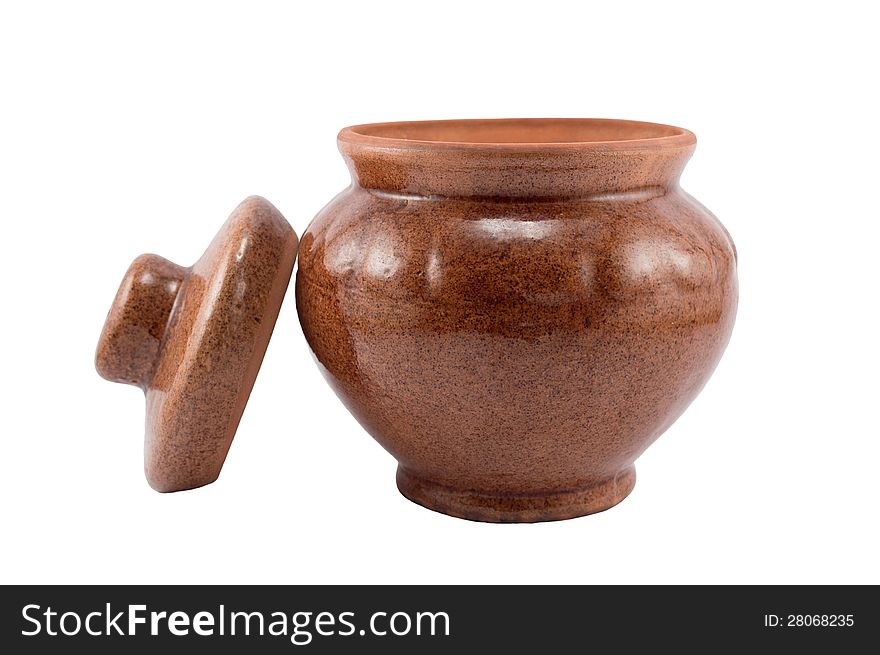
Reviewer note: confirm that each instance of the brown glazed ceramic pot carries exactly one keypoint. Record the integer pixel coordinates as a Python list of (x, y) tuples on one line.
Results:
[(516, 309)]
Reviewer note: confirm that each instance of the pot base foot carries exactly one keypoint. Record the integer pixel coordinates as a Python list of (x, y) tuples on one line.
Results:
[(500, 507)]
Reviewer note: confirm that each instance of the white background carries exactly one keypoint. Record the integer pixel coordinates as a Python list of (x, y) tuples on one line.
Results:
[(128, 129)]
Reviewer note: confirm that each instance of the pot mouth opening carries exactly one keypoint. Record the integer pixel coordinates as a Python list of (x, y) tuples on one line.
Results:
[(519, 134)]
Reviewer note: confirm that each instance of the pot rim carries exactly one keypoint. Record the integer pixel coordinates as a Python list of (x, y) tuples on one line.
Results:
[(403, 135)]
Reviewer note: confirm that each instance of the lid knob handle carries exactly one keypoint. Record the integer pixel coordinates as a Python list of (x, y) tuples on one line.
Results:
[(130, 342)]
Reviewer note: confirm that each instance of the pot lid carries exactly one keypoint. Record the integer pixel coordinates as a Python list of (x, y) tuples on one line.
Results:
[(194, 338)]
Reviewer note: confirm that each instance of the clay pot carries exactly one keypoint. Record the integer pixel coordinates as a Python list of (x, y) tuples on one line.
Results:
[(516, 309)]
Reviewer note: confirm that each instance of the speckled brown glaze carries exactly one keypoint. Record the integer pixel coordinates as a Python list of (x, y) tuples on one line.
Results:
[(516, 309), (194, 338)]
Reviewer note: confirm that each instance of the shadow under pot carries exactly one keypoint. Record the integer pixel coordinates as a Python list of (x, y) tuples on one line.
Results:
[(516, 309)]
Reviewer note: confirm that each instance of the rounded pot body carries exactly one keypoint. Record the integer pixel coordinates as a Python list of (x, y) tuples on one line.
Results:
[(516, 309)]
